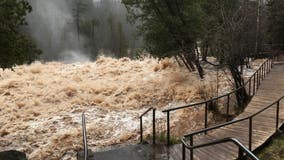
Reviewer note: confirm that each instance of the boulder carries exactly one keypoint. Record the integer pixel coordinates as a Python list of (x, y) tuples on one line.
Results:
[(12, 155)]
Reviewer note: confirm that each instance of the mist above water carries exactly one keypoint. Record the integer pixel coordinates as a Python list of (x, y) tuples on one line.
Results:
[(67, 34)]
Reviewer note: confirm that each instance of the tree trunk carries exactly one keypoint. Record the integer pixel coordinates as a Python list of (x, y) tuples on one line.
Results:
[(204, 53), (179, 63), (241, 94), (189, 61), (199, 69), (185, 63)]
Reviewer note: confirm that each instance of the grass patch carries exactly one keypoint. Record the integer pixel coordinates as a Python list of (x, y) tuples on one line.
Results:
[(274, 149), (163, 139)]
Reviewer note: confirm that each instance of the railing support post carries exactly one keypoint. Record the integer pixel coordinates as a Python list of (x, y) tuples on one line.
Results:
[(191, 144), (228, 107), (262, 71), (250, 87), (257, 80), (254, 84), (250, 133), (241, 154), (277, 115), (85, 137), (269, 66), (168, 128), (141, 130), (183, 151), (259, 77), (154, 126), (206, 115), (266, 68)]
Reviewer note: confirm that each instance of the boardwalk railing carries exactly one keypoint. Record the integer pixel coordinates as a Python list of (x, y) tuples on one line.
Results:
[(252, 84), (153, 124), (190, 136), (242, 148)]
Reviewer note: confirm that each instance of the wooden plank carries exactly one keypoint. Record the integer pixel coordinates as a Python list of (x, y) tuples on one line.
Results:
[(271, 88)]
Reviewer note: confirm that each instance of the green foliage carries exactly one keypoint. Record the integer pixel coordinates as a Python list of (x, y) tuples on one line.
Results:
[(227, 25), (276, 21), (163, 138), (168, 27), (274, 149), (15, 48)]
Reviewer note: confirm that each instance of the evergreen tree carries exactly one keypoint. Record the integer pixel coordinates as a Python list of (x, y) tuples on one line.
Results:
[(170, 28), (276, 22), (123, 45), (15, 47)]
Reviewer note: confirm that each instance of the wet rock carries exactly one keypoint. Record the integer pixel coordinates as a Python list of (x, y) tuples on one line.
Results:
[(12, 155), (80, 155)]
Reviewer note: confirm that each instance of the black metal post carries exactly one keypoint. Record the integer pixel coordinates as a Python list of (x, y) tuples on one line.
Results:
[(277, 115), (254, 84), (191, 150), (268, 66), (262, 72), (154, 126), (206, 113), (250, 87), (265, 69), (250, 133), (183, 151), (168, 128), (241, 154), (85, 137), (260, 78), (141, 130), (228, 107), (256, 79)]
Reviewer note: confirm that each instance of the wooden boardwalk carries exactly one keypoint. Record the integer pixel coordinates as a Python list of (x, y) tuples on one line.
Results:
[(263, 125)]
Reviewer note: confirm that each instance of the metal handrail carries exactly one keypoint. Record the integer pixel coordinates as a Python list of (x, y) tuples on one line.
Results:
[(84, 137), (253, 82), (250, 118), (149, 109), (242, 148), (236, 120), (153, 124), (221, 96)]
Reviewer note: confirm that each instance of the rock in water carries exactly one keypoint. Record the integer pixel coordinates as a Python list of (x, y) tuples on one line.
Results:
[(12, 155)]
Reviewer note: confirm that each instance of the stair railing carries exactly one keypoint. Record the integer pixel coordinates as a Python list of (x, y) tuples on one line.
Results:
[(242, 148), (190, 136), (153, 124), (252, 83)]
